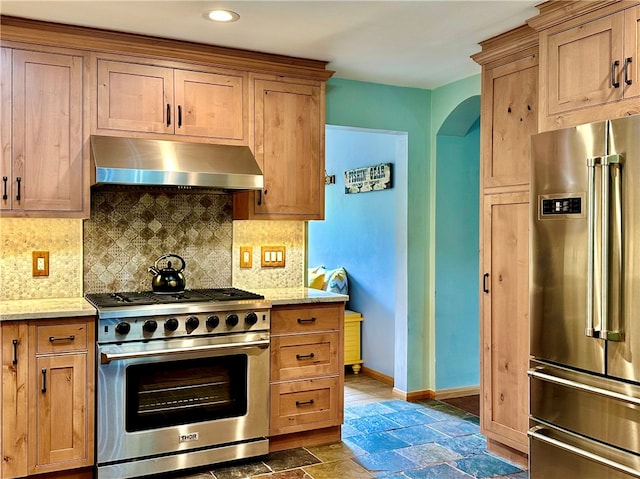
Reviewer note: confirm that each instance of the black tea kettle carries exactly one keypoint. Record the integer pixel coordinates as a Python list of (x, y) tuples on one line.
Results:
[(167, 280)]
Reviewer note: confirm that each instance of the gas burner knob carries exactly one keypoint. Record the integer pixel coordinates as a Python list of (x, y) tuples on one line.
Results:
[(150, 326), (123, 328), (232, 320), (171, 324), (192, 323), (213, 322), (251, 319)]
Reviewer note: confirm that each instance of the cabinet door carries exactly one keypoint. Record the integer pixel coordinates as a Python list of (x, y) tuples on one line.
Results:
[(14, 399), (135, 97), (632, 52), (211, 105), (289, 140), (58, 421), (505, 319), (47, 131), (581, 65), (5, 129), (509, 118)]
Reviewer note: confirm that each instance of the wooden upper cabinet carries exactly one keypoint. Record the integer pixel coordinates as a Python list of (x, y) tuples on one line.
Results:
[(509, 118), (589, 62), (289, 147), (44, 150), (145, 98), (6, 159), (134, 97), (582, 65), (632, 52)]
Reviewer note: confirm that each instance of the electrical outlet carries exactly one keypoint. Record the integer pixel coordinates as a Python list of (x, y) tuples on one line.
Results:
[(272, 256), (40, 263), (246, 254)]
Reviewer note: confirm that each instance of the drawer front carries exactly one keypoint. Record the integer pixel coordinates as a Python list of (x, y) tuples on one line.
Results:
[(306, 319), (296, 406), (304, 356), (58, 338)]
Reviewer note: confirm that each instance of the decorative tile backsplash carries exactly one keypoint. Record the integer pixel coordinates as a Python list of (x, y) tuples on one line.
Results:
[(62, 238), (290, 234), (130, 229)]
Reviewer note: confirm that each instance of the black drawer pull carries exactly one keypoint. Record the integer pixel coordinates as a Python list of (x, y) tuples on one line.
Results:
[(179, 116), (307, 320), (485, 288), (68, 338), (168, 114), (4, 183), (627, 62), (19, 180), (304, 403), (44, 380), (305, 356), (15, 351), (614, 74)]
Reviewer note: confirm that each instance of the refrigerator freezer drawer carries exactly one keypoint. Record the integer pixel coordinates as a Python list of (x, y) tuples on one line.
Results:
[(554, 453), (603, 409)]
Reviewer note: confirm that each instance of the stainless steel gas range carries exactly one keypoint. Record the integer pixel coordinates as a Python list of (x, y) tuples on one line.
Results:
[(182, 382)]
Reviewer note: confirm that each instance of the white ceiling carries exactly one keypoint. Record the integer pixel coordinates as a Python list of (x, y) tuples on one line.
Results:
[(419, 43)]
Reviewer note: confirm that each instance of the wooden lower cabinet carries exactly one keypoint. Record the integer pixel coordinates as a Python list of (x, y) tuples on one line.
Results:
[(307, 375), (505, 320), (48, 397)]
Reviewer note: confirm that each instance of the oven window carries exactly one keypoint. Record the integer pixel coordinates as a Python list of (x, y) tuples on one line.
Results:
[(183, 392)]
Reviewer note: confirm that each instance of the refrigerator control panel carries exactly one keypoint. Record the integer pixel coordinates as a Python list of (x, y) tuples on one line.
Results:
[(553, 207)]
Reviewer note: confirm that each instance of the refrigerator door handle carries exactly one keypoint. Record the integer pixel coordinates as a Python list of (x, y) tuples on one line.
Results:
[(609, 208), (537, 374), (591, 233), (535, 433)]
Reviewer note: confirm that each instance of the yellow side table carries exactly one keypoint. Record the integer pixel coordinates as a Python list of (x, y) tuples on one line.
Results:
[(352, 342)]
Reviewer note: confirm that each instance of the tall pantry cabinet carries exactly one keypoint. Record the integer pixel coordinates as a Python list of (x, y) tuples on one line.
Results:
[(508, 118)]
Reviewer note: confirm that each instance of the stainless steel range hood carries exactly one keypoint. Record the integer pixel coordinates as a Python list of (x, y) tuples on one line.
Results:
[(138, 162)]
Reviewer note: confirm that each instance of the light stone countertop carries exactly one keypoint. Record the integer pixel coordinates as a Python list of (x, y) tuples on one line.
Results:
[(282, 296), (49, 308)]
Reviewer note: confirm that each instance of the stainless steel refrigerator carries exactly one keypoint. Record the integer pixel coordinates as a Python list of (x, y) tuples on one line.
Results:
[(585, 302)]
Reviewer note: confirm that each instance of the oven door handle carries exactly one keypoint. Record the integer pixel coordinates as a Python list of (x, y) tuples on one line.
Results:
[(106, 357)]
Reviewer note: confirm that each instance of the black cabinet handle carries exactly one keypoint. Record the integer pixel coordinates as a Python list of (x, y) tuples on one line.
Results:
[(179, 116), (15, 351), (168, 115), (259, 197), (19, 180), (307, 320), (305, 356), (614, 68), (68, 338), (44, 380), (627, 62), (4, 189), (485, 288), (304, 403)]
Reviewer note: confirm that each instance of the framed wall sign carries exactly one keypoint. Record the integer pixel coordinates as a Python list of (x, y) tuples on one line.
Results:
[(368, 178)]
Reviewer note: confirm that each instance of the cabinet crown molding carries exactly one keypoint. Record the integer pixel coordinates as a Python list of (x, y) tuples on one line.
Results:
[(553, 12), (99, 40), (514, 41)]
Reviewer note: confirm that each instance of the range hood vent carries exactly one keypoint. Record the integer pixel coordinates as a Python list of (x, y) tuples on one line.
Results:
[(163, 163)]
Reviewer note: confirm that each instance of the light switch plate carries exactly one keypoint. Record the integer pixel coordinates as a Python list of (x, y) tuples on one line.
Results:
[(246, 256), (40, 263), (272, 256)]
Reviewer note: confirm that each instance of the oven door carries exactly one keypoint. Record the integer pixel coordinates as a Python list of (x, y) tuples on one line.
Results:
[(170, 396)]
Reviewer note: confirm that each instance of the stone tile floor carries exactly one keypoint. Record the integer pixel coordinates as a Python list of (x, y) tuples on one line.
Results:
[(388, 438)]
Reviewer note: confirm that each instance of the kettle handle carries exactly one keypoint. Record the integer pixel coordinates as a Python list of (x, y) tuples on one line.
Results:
[(171, 255)]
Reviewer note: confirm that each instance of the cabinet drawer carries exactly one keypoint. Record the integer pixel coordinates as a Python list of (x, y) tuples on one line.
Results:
[(302, 356), (56, 338), (297, 405), (305, 320)]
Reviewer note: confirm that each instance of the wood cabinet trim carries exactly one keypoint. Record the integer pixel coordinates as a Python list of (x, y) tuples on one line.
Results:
[(559, 15), (99, 40), (501, 48)]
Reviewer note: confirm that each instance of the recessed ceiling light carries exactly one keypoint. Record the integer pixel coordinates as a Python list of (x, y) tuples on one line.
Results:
[(220, 15)]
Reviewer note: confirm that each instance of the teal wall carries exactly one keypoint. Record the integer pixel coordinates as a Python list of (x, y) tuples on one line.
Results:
[(419, 113), (457, 256)]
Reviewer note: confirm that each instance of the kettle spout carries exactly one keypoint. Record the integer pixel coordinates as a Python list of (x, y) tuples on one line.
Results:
[(153, 270)]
